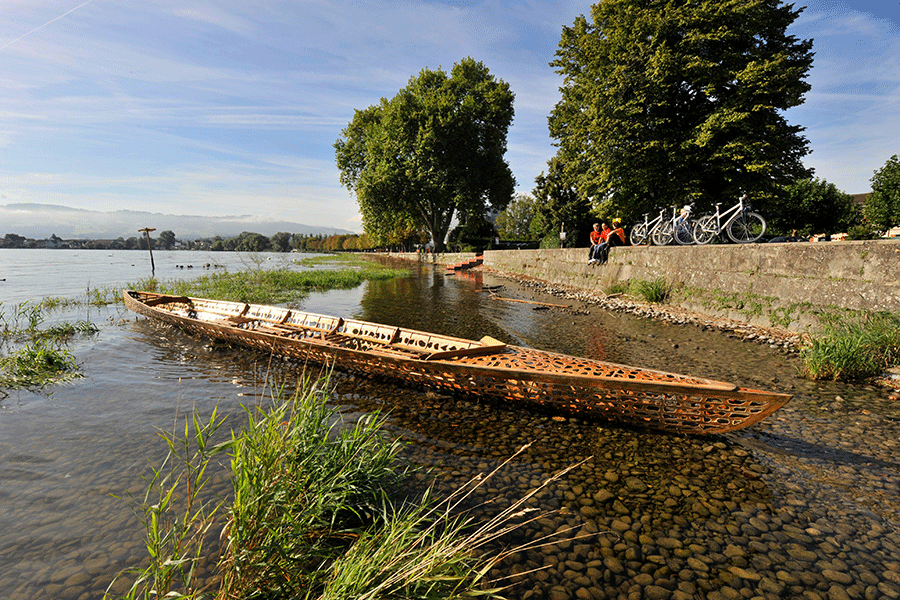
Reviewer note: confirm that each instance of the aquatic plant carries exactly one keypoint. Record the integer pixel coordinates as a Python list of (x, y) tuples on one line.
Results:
[(317, 511), (177, 514), (36, 366), (853, 346), (33, 358)]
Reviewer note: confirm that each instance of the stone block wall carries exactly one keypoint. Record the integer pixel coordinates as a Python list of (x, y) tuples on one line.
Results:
[(786, 284)]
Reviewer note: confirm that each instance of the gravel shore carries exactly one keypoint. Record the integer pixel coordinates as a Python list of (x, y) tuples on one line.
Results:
[(803, 505)]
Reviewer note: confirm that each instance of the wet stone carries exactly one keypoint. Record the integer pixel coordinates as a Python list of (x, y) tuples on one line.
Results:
[(837, 576)]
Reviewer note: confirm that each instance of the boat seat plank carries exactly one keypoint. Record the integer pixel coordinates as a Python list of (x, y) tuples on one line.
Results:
[(166, 300), (488, 346)]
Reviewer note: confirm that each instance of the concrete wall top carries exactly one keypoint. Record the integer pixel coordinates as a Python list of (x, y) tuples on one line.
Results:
[(852, 275)]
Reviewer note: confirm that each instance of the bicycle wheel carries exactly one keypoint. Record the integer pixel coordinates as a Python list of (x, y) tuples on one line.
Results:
[(747, 227), (705, 229), (684, 233), (663, 234), (638, 235)]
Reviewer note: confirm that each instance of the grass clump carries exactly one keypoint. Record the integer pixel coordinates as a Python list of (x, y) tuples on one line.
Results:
[(275, 286), (33, 358), (316, 513), (656, 290), (36, 366), (853, 347), (303, 485), (618, 288)]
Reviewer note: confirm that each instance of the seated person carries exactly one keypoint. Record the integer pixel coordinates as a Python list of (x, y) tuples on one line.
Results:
[(600, 251), (617, 235)]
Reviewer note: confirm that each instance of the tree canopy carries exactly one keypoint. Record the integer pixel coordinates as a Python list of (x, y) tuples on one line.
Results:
[(813, 206), (560, 207), (882, 208), (667, 101), (514, 222), (434, 151)]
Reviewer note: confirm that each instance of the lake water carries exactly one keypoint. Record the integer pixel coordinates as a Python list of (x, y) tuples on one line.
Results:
[(804, 502)]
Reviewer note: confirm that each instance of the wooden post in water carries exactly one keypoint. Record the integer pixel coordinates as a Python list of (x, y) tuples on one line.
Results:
[(147, 231)]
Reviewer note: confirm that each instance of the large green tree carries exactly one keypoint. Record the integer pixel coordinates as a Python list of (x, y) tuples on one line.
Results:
[(812, 206), (882, 208), (669, 100), (434, 151)]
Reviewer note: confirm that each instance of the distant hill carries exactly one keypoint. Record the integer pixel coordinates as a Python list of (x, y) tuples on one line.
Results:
[(40, 221)]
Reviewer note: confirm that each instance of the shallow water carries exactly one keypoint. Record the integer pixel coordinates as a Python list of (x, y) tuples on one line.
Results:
[(748, 503)]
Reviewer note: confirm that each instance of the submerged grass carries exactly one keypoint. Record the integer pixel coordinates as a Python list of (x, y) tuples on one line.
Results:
[(34, 358), (853, 347), (316, 513)]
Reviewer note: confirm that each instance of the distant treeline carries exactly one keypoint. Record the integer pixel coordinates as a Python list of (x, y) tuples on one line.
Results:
[(167, 240)]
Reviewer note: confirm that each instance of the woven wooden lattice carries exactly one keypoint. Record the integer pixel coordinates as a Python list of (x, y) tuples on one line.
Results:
[(579, 386)]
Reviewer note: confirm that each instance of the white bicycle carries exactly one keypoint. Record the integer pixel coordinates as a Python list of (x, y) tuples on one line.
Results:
[(740, 223)]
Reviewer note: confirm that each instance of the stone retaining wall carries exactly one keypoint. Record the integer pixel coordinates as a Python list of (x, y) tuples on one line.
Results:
[(786, 285)]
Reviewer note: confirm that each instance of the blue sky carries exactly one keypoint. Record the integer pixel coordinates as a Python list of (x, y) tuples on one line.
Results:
[(231, 107)]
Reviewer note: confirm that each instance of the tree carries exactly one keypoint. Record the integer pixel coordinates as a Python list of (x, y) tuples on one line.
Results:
[(665, 101), (248, 242), (882, 208), (560, 207), (434, 151), (514, 222), (166, 239), (281, 242), (812, 206)]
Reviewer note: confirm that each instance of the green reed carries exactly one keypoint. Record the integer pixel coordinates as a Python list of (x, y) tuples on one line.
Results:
[(853, 346), (177, 514), (312, 514), (31, 357), (303, 483)]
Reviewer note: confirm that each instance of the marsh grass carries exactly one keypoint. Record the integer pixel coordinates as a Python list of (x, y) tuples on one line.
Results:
[(303, 483), (853, 346), (262, 286), (31, 357), (656, 290), (318, 511), (276, 286), (177, 514)]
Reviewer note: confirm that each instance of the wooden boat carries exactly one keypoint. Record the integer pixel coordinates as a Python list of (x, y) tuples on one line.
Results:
[(487, 367)]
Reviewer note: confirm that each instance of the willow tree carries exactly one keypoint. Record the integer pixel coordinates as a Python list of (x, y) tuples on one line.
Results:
[(434, 151), (665, 100)]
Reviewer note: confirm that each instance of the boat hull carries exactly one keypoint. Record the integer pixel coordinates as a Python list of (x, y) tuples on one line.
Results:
[(487, 368)]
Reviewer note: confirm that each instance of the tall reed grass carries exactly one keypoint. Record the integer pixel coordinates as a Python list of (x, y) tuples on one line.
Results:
[(853, 346), (318, 511)]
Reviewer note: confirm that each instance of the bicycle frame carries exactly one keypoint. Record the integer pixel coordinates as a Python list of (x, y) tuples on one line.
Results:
[(737, 209)]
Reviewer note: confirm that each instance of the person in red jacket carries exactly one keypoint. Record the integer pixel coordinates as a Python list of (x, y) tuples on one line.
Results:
[(597, 238), (617, 235)]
